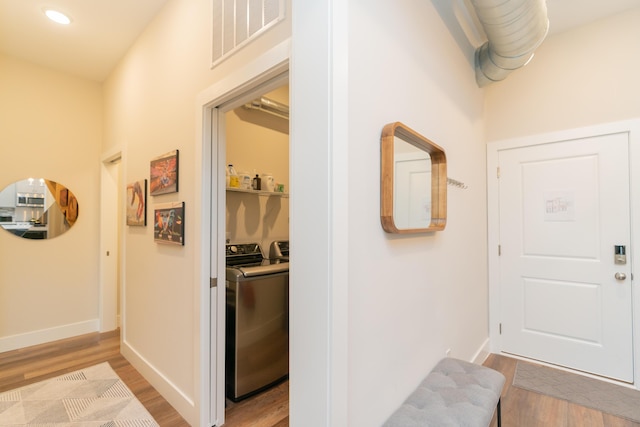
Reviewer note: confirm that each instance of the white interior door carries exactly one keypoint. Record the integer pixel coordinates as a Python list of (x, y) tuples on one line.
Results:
[(217, 273), (110, 214), (564, 206)]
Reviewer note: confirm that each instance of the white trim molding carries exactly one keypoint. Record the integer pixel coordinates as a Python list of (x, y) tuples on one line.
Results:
[(42, 336)]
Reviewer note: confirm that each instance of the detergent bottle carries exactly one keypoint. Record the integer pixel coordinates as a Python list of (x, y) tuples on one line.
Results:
[(234, 180)]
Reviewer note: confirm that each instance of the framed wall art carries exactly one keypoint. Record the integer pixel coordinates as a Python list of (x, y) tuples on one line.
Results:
[(64, 197), (137, 203), (168, 223), (164, 174)]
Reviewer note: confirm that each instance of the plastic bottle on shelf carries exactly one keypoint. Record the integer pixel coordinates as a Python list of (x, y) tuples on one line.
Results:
[(227, 177), (268, 182), (234, 181), (245, 180)]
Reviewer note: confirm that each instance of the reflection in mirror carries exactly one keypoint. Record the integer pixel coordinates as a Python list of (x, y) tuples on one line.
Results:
[(37, 208), (414, 183)]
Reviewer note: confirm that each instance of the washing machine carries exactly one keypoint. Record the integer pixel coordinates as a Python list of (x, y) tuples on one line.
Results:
[(257, 321)]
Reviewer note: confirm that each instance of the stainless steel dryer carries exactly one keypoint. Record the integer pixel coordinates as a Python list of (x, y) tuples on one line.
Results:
[(257, 330)]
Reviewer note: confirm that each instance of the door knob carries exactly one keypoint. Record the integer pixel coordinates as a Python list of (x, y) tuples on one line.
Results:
[(620, 276)]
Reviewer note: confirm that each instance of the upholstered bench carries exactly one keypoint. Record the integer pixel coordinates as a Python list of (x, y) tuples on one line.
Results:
[(455, 393)]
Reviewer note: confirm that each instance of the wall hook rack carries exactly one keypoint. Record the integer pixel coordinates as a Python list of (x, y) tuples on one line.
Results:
[(456, 183)]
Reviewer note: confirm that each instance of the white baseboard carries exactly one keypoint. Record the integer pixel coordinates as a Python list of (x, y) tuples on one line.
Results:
[(178, 399), (27, 339), (482, 353)]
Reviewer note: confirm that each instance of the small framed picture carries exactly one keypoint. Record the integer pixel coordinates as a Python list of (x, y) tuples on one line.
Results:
[(137, 203), (64, 197), (164, 174), (168, 223)]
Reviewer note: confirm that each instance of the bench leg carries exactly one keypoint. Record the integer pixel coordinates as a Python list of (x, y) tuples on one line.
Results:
[(499, 417)]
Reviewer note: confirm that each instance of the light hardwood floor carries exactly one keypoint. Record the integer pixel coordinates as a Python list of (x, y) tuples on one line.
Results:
[(267, 409), (32, 364), (520, 408)]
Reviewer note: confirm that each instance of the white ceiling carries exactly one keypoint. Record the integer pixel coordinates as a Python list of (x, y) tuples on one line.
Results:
[(567, 14), (103, 30)]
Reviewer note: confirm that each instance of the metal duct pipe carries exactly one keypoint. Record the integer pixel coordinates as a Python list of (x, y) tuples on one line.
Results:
[(514, 29), (269, 106)]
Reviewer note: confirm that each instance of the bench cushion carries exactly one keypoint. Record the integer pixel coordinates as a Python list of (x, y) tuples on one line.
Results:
[(455, 393)]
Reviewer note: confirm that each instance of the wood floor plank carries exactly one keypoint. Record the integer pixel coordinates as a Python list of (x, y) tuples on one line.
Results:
[(579, 416), (611, 421), (267, 409)]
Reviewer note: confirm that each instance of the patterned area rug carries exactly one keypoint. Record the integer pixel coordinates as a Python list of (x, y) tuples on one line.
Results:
[(600, 395), (91, 397)]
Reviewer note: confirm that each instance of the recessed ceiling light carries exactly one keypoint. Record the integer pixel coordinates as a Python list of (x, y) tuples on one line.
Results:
[(58, 17)]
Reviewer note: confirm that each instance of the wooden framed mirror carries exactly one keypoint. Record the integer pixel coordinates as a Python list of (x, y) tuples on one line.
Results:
[(413, 179)]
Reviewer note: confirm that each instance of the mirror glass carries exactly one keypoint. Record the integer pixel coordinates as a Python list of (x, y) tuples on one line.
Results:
[(412, 186), (37, 208), (413, 172)]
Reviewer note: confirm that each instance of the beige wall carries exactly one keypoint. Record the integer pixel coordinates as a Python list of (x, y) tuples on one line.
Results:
[(150, 109), (258, 143), (578, 78), (50, 127)]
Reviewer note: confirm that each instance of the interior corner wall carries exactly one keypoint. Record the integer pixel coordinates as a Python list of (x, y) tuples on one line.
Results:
[(50, 127), (409, 298), (578, 78), (149, 110)]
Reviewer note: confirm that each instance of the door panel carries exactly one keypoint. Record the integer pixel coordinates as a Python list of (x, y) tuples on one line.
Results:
[(563, 207), (577, 303)]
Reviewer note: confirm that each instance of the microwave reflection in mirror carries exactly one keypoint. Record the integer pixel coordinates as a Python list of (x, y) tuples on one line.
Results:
[(37, 208)]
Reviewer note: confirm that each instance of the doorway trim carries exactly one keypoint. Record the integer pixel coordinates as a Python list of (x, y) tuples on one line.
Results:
[(210, 180), (632, 128)]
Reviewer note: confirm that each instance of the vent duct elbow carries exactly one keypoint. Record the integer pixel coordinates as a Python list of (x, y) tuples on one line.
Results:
[(514, 29), (269, 106)]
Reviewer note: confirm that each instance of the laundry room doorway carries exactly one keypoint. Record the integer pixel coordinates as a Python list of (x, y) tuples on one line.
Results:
[(256, 249), (266, 74)]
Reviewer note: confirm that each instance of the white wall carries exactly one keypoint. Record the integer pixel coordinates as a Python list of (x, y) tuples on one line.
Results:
[(577, 78), (50, 127), (393, 304), (150, 102)]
